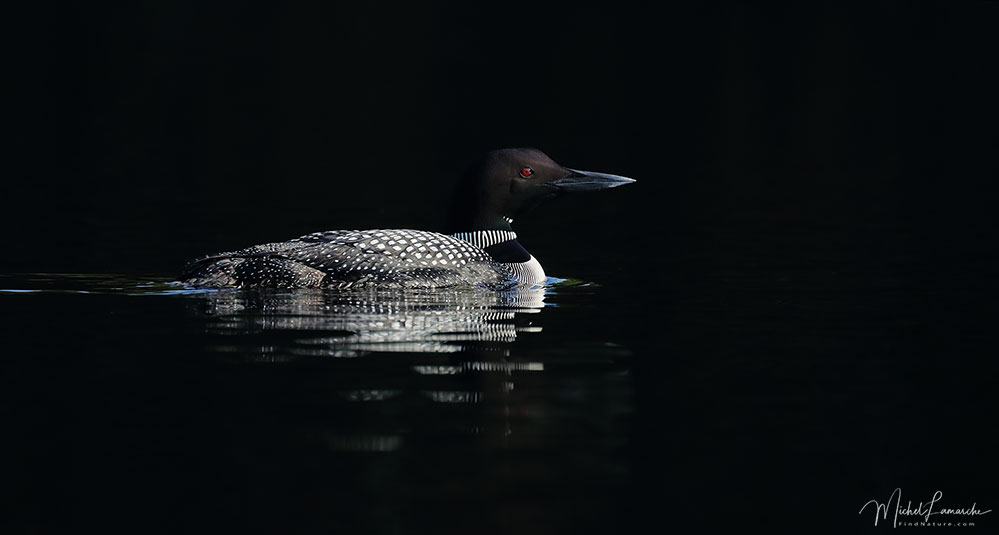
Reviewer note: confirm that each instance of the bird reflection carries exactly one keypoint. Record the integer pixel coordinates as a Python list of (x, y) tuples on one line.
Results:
[(355, 323), (462, 337), (429, 366), (441, 379)]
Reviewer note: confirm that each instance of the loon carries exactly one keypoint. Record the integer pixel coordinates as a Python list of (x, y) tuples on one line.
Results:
[(480, 248)]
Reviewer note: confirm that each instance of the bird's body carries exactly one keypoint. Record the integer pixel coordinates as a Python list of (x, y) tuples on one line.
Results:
[(481, 250), (390, 258)]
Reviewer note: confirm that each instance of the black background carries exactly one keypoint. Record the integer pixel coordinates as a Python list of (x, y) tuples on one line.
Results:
[(814, 184), (176, 127)]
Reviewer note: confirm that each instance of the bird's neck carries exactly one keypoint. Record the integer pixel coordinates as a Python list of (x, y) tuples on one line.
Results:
[(503, 247), (501, 244), (485, 238)]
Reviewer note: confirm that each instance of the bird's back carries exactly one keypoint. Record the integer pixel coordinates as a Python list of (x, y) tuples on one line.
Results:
[(396, 258)]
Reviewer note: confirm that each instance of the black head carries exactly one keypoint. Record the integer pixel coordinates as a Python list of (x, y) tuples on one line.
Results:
[(505, 183)]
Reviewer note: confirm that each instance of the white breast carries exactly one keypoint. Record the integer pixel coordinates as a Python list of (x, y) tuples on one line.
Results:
[(529, 272)]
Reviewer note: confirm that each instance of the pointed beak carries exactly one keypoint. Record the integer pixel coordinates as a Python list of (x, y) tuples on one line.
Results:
[(589, 181)]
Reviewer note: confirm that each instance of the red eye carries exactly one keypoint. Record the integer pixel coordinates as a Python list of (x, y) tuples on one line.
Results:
[(526, 172)]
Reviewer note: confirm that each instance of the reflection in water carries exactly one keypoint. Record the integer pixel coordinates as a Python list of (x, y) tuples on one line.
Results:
[(472, 327), (349, 324), (451, 391), (445, 358)]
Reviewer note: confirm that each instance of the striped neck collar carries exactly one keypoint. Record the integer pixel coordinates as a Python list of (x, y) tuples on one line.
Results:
[(486, 238)]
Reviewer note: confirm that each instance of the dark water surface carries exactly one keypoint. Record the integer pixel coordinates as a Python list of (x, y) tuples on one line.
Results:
[(142, 404), (759, 388)]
